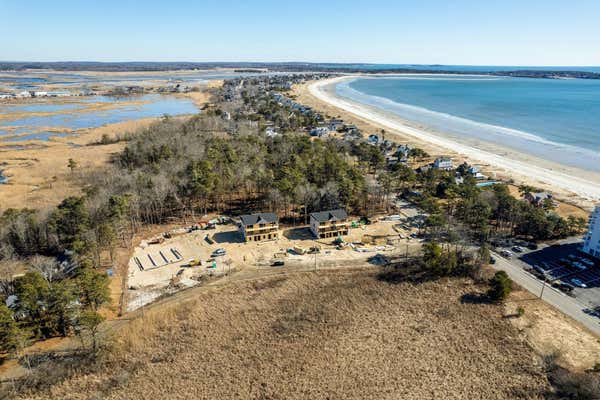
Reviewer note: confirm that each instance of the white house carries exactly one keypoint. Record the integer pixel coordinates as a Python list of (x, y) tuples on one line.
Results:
[(271, 132), (23, 94), (443, 163), (319, 131), (591, 242)]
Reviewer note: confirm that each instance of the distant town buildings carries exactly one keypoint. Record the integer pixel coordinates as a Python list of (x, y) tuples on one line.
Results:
[(259, 227), (591, 243), (327, 224)]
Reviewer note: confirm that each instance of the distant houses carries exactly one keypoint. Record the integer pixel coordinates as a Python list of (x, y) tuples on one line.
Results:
[(259, 227), (328, 224)]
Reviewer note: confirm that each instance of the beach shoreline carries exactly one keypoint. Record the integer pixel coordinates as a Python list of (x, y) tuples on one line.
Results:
[(571, 184)]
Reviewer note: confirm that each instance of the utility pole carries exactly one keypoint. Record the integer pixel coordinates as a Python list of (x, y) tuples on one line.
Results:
[(316, 258), (543, 287)]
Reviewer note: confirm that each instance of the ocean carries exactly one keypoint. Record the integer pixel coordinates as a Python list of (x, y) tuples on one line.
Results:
[(554, 119)]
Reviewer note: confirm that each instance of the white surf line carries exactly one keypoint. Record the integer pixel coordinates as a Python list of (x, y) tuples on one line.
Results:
[(582, 187)]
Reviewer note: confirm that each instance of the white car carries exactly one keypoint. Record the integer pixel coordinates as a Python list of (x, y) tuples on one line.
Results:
[(506, 254), (578, 283), (219, 252), (579, 266), (587, 262)]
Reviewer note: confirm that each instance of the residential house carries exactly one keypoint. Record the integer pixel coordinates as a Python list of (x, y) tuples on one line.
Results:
[(402, 151), (444, 163), (335, 124), (319, 131), (373, 140), (476, 173), (537, 199), (258, 227), (328, 224)]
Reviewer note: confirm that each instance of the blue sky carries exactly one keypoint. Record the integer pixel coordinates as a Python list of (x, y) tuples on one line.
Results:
[(508, 32)]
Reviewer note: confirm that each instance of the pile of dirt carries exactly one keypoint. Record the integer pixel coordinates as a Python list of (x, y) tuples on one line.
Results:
[(337, 335)]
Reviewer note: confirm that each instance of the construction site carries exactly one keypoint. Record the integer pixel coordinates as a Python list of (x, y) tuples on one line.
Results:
[(187, 256)]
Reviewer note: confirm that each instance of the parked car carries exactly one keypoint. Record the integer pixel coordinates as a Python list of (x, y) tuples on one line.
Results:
[(539, 269), (587, 262), (219, 252), (532, 246), (506, 254), (564, 287), (578, 283), (579, 265), (492, 260), (517, 249), (278, 264)]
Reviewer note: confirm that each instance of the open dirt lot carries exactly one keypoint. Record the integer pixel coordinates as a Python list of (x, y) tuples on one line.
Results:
[(338, 335), (160, 265)]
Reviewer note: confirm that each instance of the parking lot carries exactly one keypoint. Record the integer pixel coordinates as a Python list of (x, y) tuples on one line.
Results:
[(563, 267)]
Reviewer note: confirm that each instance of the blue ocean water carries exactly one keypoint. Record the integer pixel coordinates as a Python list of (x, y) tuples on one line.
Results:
[(555, 119), (459, 68)]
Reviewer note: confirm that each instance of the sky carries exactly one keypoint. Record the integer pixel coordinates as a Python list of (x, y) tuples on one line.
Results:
[(464, 32)]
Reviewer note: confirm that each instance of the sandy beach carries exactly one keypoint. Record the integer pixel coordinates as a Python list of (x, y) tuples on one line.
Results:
[(571, 184)]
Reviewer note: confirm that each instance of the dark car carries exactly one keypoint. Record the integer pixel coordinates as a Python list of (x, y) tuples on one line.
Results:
[(564, 287), (278, 264), (532, 246), (492, 260)]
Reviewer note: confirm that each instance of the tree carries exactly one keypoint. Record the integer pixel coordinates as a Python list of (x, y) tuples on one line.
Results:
[(70, 221), (72, 164), (89, 322), (9, 331), (32, 292), (48, 267), (94, 289), (62, 307), (500, 287), (483, 254)]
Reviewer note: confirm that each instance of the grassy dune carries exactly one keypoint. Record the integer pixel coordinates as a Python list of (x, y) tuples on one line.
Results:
[(337, 335)]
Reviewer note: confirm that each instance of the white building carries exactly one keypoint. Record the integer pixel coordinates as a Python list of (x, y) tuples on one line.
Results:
[(319, 131), (271, 132), (591, 243), (443, 163)]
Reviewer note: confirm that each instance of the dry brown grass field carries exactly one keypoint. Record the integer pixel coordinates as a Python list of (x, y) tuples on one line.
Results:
[(332, 335)]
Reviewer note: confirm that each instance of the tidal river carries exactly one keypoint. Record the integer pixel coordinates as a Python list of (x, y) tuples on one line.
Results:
[(65, 116)]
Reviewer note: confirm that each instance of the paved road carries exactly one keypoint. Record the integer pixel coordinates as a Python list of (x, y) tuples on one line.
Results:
[(552, 296)]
